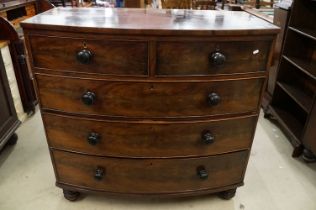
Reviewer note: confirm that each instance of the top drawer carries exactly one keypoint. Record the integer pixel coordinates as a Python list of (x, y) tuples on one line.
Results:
[(112, 57), (209, 58)]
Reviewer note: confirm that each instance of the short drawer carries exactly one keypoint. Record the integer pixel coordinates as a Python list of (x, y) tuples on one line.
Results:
[(149, 99), (148, 139), (149, 175), (210, 58), (90, 56)]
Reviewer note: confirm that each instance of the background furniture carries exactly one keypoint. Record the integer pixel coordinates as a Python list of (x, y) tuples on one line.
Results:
[(189, 4), (6, 56), (204, 4), (63, 3), (266, 14), (281, 19), (176, 4), (93, 3), (293, 102), (17, 11), (8, 119), (11, 14), (173, 101), (134, 3), (260, 3)]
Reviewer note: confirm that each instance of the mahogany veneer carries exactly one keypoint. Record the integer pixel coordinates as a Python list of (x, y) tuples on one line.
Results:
[(158, 99), (148, 138), (149, 176), (149, 102)]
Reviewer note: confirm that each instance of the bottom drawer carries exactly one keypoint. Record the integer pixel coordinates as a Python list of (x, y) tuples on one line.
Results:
[(120, 175)]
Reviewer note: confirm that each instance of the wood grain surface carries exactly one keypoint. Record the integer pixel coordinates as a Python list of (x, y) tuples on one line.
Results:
[(150, 22), (149, 138), (108, 57), (149, 175), (194, 58), (132, 120), (149, 99)]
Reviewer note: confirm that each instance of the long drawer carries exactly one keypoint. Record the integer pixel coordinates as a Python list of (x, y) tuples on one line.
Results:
[(130, 57), (148, 139), (149, 175), (207, 58), (149, 99), (90, 56)]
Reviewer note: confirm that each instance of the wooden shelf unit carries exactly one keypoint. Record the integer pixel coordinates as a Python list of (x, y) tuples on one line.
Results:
[(305, 32), (293, 102), (298, 95), (280, 18), (306, 67)]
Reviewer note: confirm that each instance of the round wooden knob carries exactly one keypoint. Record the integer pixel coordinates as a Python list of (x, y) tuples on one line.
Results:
[(84, 56), (213, 99), (93, 138), (88, 98), (99, 173), (201, 172), (208, 137), (218, 58)]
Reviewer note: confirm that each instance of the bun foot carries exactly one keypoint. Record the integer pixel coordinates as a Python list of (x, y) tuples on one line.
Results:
[(298, 150), (308, 156), (266, 113), (71, 195), (13, 139), (228, 194), (267, 116)]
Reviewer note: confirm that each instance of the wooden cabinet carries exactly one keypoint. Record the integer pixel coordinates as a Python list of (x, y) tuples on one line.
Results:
[(152, 108), (8, 117), (281, 19), (134, 3), (11, 14), (293, 102)]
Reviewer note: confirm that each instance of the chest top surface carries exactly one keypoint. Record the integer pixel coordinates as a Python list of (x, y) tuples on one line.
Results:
[(150, 22)]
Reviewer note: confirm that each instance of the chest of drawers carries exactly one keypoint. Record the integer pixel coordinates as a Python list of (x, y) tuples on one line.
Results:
[(149, 102)]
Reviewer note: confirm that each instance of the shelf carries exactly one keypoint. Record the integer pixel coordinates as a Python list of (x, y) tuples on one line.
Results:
[(303, 100), (293, 101), (307, 67), (293, 127), (310, 33)]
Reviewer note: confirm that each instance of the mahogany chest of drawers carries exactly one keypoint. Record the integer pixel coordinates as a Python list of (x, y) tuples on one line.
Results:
[(149, 102)]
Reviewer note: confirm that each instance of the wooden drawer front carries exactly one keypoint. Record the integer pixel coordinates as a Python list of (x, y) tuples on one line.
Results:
[(145, 99), (132, 139), (149, 175), (195, 58), (108, 57)]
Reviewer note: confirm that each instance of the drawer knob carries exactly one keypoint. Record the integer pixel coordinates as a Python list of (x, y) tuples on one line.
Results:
[(84, 56), (218, 58), (88, 98), (202, 173), (99, 173), (94, 138), (213, 99), (208, 137)]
